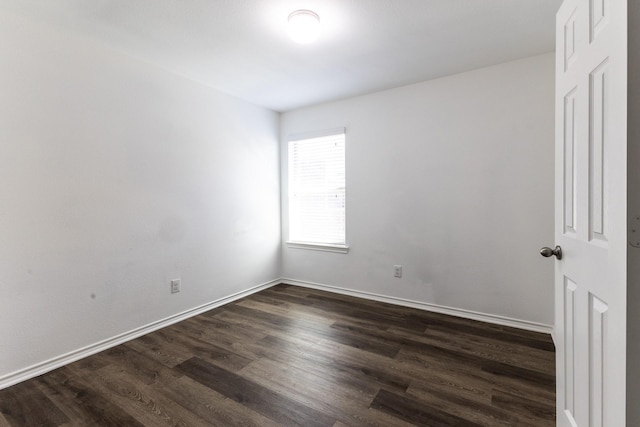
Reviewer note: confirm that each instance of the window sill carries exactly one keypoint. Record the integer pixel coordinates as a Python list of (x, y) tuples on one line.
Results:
[(326, 247)]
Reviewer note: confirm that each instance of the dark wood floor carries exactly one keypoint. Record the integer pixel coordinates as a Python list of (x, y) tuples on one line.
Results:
[(295, 356)]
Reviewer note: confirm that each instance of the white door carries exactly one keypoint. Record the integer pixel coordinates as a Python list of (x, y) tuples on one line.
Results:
[(590, 222)]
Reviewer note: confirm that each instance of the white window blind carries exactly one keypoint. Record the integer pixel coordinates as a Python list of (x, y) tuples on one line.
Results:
[(317, 190)]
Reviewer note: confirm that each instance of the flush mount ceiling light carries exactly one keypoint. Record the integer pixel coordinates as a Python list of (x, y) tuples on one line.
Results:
[(304, 26)]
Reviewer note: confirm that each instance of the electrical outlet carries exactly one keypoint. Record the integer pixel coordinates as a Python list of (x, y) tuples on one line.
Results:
[(175, 286), (397, 271)]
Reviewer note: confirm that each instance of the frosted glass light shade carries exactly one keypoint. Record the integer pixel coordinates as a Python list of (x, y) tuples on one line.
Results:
[(304, 26)]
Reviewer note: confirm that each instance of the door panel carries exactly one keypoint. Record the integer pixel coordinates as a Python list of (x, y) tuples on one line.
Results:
[(591, 114), (569, 345), (597, 330), (599, 13), (598, 99), (570, 196)]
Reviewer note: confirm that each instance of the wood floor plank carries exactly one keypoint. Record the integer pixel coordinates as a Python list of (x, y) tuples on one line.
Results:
[(299, 305), (538, 378), (141, 401), (213, 406), (450, 323), (451, 344), (449, 383), (260, 399), (277, 329), (305, 383), (25, 405), (210, 352), (138, 365), (516, 355), (286, 310), (423, 365), (160, 346), (210, 327), (483, 413), (237, 338), (298, 356), (364, 310), (462, 372), (317, 331), (526, 389), (306, 357), (538, 341), (347, 368), (416, 412), (427, 318), (493, 343), (543, 414), (83, 403), (401, 367), (3, 421), (89, 364), (343, 403)]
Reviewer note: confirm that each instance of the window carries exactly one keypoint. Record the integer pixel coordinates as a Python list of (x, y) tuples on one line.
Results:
[(317, 192)]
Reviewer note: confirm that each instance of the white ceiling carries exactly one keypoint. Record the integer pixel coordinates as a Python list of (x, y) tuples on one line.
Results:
[(241, 46)]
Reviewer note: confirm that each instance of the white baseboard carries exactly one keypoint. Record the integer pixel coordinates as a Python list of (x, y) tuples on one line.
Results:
[(56, 362), (467, 314)]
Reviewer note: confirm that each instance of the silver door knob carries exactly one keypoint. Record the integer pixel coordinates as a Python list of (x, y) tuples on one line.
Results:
[(547, 252)]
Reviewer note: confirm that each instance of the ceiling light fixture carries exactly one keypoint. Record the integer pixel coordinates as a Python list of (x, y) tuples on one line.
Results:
[(304, 26)]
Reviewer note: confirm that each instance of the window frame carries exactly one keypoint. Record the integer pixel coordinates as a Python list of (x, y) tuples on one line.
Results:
[(317, 246)]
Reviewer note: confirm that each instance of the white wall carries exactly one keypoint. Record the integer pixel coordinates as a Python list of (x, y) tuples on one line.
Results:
[(116, 177), (452, 179)]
